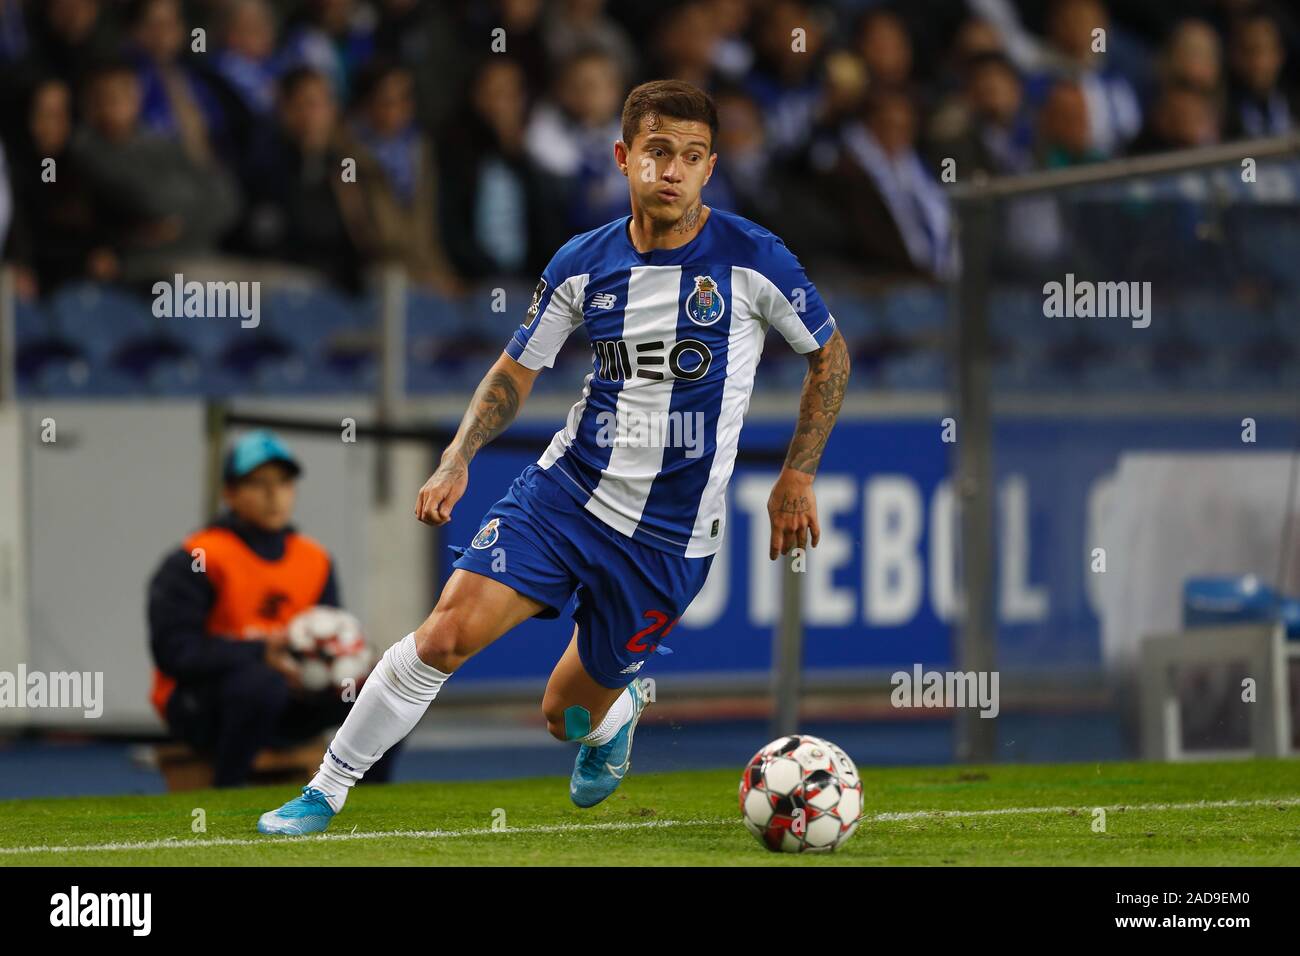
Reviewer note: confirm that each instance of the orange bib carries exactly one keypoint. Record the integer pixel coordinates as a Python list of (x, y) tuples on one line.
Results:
[(255, 597)]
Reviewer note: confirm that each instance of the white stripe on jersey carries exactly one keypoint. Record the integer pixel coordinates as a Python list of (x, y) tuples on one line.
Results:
[(622, 485), (745, 338), (650, 315), (562, 439), (563, 314), (774, 303)]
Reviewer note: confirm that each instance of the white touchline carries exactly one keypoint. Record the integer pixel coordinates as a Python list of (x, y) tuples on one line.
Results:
[(178, 844), (1119, 807), (894, 817)]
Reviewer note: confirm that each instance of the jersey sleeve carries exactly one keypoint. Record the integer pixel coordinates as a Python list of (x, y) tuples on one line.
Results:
[(553, 313), (789, 301)]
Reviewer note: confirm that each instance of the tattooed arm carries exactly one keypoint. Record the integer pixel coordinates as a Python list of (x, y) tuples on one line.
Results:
[(792, 506), (494, 406)]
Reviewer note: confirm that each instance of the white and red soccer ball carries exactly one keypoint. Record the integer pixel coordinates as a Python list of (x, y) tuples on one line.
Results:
[(801, 794), (329, 647)]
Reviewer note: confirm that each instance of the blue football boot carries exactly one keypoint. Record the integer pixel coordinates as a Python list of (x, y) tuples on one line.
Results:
[(310, 813), (599, 770)]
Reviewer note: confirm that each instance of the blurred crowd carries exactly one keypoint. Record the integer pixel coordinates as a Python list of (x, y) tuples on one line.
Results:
[(467, 140)]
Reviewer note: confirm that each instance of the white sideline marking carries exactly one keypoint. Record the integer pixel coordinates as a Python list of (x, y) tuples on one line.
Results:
[(1005, 811), (178, 844)]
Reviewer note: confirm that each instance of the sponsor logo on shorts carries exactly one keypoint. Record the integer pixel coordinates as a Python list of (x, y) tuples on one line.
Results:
[(487, 535)]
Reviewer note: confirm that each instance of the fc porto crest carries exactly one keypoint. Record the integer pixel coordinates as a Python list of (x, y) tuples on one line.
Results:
[(704, 306), (487, 535)]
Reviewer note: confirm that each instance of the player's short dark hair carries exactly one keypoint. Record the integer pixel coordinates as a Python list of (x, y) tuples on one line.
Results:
[(673, 98)]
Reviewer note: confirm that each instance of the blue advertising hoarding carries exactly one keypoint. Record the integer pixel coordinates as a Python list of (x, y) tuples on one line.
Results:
[(880, 592)]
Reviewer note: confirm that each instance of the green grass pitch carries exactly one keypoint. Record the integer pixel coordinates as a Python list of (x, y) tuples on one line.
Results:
[(1238, 813)]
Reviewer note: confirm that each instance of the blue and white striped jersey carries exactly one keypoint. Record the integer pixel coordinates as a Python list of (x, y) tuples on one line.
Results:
[(676, 336)]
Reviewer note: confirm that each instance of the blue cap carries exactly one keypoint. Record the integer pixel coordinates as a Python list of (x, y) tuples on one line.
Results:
[(254, 450)]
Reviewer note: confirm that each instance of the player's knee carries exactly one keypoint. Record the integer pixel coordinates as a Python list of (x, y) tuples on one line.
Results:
[(444, 641), (566, 723)]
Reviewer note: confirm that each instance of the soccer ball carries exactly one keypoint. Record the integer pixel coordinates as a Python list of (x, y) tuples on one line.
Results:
[(329, 647), (801, 794)]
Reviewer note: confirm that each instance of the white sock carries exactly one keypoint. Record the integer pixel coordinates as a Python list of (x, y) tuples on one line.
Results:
[(390, 704), (620, 712)]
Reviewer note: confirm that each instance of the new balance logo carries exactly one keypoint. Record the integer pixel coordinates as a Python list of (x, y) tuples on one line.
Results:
[(603, 300)]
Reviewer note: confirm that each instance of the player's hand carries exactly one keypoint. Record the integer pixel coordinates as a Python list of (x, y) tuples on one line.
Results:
[(792, 508), (443, 489)]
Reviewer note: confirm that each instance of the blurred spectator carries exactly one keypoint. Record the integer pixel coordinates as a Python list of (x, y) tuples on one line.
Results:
[(1257, 104), (574, 26), (845, 84), (572, 137), (886, 48), (1064, 132), (157, 202), (741, 178), (181, 99), (994, 136), (405, 204), (418, 34), (502, 213), (684, 45), (1193, 56), (1113, 113), (499, 180), (55, 230), (247, 59), (67, 36), (732, 54), (976, 37), (334, 37), (521, 23), (302, 210), (785, 82), (898, 214), (1184, 117)]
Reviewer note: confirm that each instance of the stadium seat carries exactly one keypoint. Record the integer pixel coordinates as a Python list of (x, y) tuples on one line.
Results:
[(98, 319), (920, 370), (916, 311), (852, 314)]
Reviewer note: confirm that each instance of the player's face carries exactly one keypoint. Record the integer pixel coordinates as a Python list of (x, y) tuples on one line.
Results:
[(265, 497), (667, 165)]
